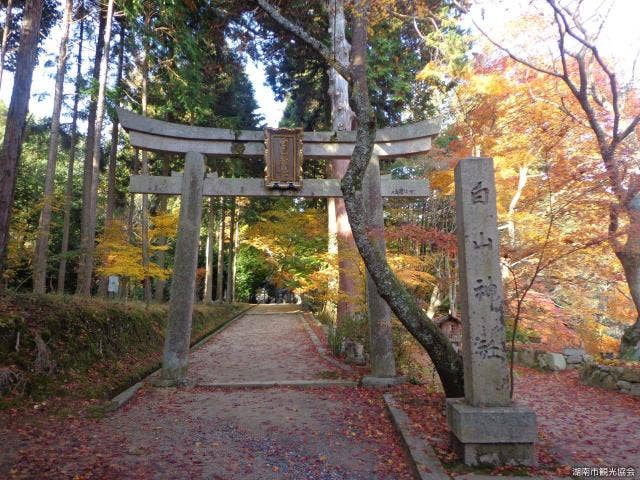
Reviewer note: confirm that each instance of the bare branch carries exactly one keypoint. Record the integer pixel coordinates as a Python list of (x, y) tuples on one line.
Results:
[(627, 131), (306, 37), (514, 56)]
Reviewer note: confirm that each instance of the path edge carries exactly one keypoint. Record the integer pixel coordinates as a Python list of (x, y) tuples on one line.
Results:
[(426, 464), (320, 348), (127, 394)]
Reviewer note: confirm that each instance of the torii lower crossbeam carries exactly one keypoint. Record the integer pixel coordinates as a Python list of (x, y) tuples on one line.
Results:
[(254, 187)]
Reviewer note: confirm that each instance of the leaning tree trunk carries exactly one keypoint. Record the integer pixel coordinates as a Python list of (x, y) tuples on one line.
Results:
[(447, 361), (68, 197), (42, 241), (231, 254), (5, 36), (16, 119), (83, 285)]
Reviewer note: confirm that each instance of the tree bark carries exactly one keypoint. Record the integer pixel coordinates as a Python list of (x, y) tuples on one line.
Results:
[(62, 269), (523, 172), (5, 36), (160, 254), (350, 285), (231, 254), (83, 285), (145, 171), (236, 243), (629, 257), (113, 152), (207, 297), (97, 152), (16, 119), (220, 273), (44, 225)]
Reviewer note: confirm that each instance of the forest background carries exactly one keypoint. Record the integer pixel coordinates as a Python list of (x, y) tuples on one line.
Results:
[(199, 63)]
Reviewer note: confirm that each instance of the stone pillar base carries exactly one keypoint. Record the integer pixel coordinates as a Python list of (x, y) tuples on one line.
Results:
[(492, 436), (382, 382)]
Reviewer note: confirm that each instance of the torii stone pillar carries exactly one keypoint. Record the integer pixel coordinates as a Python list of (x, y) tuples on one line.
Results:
[(383, 364), (176, 346), (486, 426)]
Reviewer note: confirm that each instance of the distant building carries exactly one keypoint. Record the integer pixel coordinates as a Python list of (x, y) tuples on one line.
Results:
[(452, 328)]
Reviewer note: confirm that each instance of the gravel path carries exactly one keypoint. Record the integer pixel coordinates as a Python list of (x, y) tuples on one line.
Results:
[(220, 433), (268, 343), (581, 425)]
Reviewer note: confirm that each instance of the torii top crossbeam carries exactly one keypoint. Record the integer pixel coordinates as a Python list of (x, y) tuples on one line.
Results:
[(149, 134)]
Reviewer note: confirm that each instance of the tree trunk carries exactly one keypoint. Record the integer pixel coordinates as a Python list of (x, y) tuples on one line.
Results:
[(145, 232), (160, 254), (145, 171), (447, 361), (236, 243), (207, 297), (16, 119), (332, 249), (629, 257), (83, 285), (453, 292), (220, 276), (113, 152), (5, 36), (42, 240), (232, 232), (435, 300), (97, 151), (350, 286), (62, 269), (522, 182)]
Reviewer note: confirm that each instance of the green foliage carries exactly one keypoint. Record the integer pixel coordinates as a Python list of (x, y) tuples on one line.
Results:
[(334, 339), (410, 356), (252, 273)]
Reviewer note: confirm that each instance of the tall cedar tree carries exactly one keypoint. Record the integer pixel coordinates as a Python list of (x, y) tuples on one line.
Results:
[(26, 57)]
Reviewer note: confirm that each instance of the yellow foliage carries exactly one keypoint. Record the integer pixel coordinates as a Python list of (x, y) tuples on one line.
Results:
[(119, 257), (442, 181), (21, 243), (163, 225)]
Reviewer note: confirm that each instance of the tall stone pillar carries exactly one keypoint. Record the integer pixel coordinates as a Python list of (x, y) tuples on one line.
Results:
[(176, 346), (486, 426), (383, 364)]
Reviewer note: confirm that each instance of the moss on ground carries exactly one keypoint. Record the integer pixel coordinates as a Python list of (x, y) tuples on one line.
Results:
[(96, 347)]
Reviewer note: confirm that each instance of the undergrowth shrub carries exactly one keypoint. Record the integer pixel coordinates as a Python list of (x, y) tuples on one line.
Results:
[(98, 346)]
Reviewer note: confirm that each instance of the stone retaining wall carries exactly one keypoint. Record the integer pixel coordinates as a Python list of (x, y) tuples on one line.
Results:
[(624, 379), (569, 358)]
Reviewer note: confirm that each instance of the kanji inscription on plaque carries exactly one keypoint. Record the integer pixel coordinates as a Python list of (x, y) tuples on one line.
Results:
[(283, 157)]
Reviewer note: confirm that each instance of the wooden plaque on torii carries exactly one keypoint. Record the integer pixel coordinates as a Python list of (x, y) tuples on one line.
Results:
[(283, 157)]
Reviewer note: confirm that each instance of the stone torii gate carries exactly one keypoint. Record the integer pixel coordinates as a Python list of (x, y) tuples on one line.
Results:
[(284, 153)]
